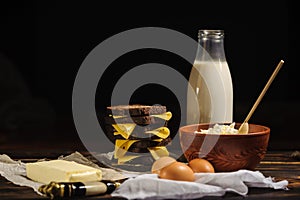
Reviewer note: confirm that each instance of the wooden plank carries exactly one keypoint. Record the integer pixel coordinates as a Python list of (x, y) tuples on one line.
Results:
[(279, 165)]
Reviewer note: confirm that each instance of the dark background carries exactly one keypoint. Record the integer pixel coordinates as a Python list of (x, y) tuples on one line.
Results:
[(42, 45)]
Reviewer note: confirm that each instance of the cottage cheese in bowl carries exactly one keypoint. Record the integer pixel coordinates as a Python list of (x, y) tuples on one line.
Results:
[(220, 129)]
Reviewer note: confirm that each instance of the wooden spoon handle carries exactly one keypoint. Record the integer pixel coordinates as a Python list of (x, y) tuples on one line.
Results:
[(264, 90)]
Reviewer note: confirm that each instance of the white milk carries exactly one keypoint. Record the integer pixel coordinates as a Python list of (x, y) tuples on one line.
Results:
[(210, 93)]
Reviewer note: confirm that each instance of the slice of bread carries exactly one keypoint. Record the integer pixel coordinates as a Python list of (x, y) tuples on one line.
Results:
[(136, 110)]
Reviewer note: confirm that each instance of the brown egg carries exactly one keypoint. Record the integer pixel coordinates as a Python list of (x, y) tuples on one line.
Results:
[(177, 171), (201, 165), (161, 163)]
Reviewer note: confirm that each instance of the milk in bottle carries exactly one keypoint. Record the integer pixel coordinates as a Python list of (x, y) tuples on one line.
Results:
[(210, 91)]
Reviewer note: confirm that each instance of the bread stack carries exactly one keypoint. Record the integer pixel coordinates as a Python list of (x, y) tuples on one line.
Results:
[(138, 129)]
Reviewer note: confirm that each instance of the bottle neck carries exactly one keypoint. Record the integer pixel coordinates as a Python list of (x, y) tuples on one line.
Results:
[(212, 41)]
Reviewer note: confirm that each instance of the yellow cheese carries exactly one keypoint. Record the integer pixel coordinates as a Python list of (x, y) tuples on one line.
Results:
[(157, 140), (124, 129), (61, 171), (121, 147), (162, 132), (166, 116), (126, 159), (158, 152), (117, 116)]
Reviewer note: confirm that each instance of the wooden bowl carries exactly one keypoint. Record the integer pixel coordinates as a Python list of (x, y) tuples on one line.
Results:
[(226, 152)]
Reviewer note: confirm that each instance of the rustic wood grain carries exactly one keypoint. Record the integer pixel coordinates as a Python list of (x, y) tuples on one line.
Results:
[(277, 164)]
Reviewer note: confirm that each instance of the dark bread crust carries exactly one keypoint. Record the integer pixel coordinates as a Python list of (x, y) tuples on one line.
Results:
[(136, 110)]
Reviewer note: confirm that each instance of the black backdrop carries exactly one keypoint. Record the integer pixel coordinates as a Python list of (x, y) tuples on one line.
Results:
[(42, 45)]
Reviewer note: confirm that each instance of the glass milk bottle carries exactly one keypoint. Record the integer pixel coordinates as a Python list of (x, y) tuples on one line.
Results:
[(210, 92)]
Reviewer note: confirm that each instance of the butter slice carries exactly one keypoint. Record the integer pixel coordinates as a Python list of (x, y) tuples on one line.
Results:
[(61, 171)]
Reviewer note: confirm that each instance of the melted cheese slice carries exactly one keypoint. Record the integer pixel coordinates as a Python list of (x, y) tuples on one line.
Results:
[(61, 171), (117, 116), (158, 152), (162, 132), (158, 140), (122, 146), (124, 129), (126, 159), (166, 116)]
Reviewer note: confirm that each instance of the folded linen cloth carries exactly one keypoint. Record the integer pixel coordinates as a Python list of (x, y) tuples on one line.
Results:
[(149, 186)]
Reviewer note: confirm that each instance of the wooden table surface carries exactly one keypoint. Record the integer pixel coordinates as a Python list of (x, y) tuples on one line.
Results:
[(277, 164)]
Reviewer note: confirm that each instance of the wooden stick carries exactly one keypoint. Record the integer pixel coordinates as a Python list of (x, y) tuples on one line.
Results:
[(264, 90)]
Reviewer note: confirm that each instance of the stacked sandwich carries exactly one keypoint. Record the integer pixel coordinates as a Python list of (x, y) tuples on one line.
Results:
[(137, 130)]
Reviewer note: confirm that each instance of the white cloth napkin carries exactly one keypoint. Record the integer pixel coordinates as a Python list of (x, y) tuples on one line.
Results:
[(149, 186)]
